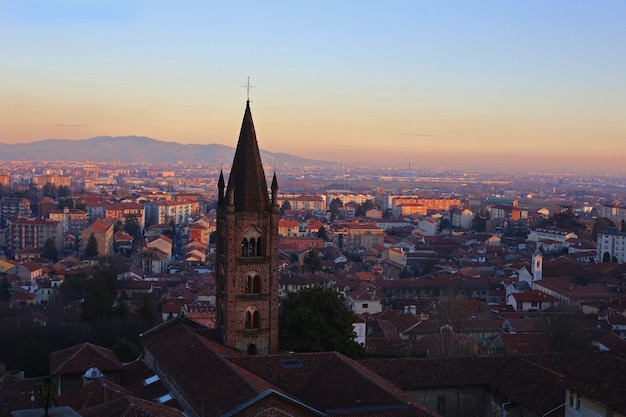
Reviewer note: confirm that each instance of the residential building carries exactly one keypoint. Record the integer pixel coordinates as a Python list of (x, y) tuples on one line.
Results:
[(558, 235), (288, 228), (356, 235), (57, 180), (73, 220), (119, 212), (461, 217), (311, 202), (171, 212), (102, 230), (12, 208), (611, 246), (532, 300), (614, 212), (33, 233), (150, 260)]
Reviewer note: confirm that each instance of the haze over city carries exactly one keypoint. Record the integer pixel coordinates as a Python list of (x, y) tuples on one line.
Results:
[(528, 86)]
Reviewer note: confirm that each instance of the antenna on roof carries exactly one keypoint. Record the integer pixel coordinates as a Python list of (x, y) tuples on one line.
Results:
[(247, 86)]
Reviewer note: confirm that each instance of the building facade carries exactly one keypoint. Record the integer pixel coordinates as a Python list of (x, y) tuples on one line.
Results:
[(33, 233), (611, 246)]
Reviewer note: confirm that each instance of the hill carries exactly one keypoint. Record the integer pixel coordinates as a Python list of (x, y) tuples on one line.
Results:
[(137, 149)]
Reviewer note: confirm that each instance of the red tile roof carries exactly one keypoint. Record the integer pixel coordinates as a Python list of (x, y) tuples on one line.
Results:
[(78, 359)]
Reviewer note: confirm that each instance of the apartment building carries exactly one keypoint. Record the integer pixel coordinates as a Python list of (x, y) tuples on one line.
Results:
[(102, 230), (611, 246), (119, 212), (614, 212), (57, 180), (11, 208), (312, 202), (166, 212), (356, 235), (72, 220), (33, 233)]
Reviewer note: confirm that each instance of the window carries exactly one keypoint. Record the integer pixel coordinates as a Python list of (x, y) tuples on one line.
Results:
[(252, 243), (253, 283), (253, 319), (365, 305)]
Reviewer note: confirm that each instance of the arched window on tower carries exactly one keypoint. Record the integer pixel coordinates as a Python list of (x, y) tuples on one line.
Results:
[(256, 320), (253, 318), (251, 244), (253, 283)]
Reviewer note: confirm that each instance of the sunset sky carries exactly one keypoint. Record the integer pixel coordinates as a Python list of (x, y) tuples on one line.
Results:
[(536, 85)]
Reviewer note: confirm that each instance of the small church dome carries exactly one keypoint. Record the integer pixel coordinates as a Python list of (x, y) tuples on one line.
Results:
[(93, 373)]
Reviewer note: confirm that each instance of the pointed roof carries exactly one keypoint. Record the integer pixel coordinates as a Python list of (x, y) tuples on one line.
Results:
[(247, 178)]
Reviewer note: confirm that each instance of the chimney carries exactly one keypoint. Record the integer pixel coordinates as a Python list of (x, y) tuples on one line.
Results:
[(413, 309)]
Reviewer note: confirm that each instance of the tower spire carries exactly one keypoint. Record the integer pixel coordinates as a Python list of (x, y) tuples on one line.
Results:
[(247, 177)]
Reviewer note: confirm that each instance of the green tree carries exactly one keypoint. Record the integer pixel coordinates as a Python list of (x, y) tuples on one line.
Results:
[(98, 301), (132, 227), (66, 203), (50, 250), (312, 261), (91, 250), (479, 223), (33, 358), (63, 191), (335, 209), (367, 205), (566, 220), (5, 289), (126, 350), (146, 310), (49, 190), (601, 225), (316, 320), (286, 206), (321, 233)]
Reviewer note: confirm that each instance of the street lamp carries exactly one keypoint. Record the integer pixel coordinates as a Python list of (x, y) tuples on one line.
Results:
[(47, 391)]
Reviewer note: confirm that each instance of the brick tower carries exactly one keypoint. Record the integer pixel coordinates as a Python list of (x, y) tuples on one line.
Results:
[(247, 250)]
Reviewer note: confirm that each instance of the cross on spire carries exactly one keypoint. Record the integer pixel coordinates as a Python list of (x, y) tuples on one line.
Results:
[(247, 86)]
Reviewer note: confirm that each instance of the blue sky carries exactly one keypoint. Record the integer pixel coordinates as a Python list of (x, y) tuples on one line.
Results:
[(527, 85)]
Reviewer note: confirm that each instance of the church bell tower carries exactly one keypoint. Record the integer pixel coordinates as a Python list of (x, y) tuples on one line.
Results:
[(247, 250)]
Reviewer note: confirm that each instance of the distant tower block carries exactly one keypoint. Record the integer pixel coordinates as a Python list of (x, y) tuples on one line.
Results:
[(537, 267)]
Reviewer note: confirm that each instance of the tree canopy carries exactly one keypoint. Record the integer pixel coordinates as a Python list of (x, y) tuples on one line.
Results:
[(312, 261), (91, 250), (316, 320), (50, 250)]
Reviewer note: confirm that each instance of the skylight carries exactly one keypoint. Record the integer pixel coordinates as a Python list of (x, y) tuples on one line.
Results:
[(291, 363), (152, 379)]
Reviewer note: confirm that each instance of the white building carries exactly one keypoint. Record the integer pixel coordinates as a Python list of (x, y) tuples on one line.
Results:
[(611, 246)]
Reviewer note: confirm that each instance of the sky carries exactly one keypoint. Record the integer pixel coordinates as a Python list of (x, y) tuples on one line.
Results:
[(526, 85)]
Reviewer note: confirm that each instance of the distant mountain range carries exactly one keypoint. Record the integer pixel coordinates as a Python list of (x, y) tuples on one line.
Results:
[(137, 149)]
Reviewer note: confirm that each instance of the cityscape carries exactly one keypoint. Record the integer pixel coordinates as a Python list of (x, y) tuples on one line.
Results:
[(443, 272), (271, 209)]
